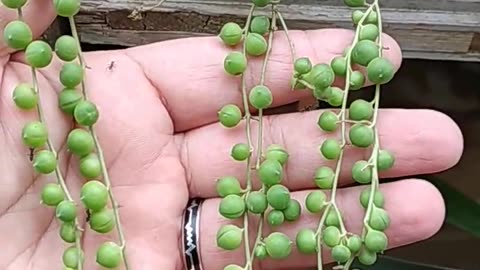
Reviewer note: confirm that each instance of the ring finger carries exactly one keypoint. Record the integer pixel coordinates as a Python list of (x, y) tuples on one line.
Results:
[(414, 221)]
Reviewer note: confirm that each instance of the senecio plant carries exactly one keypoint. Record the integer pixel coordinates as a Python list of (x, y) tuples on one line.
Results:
[(272, 202), (366, 51), (353, 125), (95, 195)]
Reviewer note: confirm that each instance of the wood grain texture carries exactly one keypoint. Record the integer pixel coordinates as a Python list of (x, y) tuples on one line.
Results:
[(426, 29)]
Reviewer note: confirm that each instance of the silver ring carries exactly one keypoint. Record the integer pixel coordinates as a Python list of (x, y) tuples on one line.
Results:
[(191, 235)]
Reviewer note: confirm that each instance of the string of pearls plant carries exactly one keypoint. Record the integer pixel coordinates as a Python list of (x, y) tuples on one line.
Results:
[(96, 195), (366, 51), (272, 201)]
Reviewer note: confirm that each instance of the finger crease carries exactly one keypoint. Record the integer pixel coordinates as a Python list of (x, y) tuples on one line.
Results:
[(185, 161), (159, 91)]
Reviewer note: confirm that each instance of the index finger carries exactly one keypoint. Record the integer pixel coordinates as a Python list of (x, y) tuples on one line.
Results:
[(190, 77)]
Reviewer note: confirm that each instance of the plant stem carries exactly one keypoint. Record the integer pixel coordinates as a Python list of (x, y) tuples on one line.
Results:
[(318, 236), (257, 240), (260, 129), (73, 29), (348, 263), (374, 156), (308, 85), (343, 121), (343, 114), (135, 15), (154, 6), (249, 144), (58, 173), (51, 148), (262, 82), (285, 29), (100, 154)]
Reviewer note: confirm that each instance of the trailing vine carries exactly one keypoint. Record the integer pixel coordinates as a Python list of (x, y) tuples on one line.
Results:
[(272, 202), (360, 118), (96, 194), (355, 124)]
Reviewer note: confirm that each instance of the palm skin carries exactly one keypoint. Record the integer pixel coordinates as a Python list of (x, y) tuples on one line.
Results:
[(158, 107), (141, 153)]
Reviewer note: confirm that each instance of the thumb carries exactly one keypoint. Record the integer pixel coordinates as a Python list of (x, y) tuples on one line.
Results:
[(38, 14)]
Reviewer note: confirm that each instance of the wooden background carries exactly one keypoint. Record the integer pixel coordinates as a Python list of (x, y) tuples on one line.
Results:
[(432, 33), (427, 29)]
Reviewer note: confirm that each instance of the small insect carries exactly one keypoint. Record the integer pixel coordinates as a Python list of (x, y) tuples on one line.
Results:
[(88, 216), (111, 65), (31, 154)]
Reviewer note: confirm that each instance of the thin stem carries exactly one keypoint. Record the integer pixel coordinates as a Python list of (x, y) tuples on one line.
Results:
[(343, 122), (344, 108), (318, 236), (374, 156), (375, 180), (260, 130), (349, 263), (135, 15), (308, 85), (51, 148), (58, 173), (73, 29), (249, 144), (153, 7), (262, 82), (105, 175), (285, 29), (257, 240), (106, 179), (356, 122)]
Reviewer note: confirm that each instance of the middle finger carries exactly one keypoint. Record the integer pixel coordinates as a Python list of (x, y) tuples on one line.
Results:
[(422, 141)]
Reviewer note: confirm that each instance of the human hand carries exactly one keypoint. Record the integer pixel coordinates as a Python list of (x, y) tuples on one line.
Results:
[(158, 111)]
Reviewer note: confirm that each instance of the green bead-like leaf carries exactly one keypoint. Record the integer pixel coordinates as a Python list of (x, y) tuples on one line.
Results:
[(17, 35), (231, 33), (109, 255), (102, 221), (232, 206), (94, 195), (278, 196), (228, 185), (278, 245), (71, 256), (306, 241), (229, 237), (270, 172)]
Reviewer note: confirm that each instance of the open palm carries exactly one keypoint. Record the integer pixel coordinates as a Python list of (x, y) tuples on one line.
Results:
[(158, 106)]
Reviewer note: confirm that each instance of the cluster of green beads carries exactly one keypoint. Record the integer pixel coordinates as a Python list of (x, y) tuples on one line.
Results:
[(273, 201), (94, 194), (361, 117)]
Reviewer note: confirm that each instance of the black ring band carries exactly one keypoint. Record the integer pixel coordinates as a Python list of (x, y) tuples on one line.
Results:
[(191, 235)]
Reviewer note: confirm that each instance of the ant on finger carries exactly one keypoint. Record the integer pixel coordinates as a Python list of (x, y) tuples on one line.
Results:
[(111, 66), (88, 215), (31, 154)]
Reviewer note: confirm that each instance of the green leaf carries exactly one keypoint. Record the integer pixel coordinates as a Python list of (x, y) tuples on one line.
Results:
[(390, 263), (462, 211)]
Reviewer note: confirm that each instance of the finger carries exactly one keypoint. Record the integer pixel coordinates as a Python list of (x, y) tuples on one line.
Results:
[(38, 14), (422, 141), (415, 208), (190, 76)]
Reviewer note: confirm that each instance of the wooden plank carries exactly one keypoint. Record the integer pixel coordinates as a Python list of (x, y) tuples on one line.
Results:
[(434, 33)]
